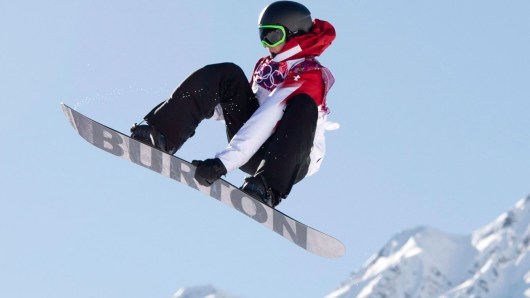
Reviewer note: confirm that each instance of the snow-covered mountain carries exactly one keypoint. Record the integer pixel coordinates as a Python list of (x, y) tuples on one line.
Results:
[(208, 291), (424, 262), (492, 262)]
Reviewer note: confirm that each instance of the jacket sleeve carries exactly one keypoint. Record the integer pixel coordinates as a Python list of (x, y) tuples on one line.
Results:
[(256, 130)]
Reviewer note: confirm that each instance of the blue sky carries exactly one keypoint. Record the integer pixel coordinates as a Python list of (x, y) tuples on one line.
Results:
[(432, 98)]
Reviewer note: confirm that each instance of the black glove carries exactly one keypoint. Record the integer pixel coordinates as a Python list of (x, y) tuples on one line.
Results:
[(209, 170)]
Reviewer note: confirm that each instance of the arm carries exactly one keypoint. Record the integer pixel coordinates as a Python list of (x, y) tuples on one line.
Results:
[(256, 130)]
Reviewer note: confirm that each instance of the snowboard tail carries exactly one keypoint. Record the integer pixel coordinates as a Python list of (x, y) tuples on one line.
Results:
[(118, 144)]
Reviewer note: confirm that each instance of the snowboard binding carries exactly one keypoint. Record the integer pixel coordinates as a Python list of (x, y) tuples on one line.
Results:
[(149, 135), (258, 188)]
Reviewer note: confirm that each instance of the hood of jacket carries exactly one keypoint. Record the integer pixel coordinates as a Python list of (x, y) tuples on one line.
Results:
[(311, 44)]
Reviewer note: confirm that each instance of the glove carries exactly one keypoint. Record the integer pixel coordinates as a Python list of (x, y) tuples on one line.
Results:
[(209, 170)]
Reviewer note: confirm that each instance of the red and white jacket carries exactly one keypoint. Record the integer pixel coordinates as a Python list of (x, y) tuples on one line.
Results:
[(275, 80)]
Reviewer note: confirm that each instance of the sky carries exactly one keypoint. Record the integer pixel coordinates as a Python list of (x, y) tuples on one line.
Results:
[(432, 97)]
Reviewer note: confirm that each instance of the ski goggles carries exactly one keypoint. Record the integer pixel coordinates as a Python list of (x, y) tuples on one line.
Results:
[(272, 35)]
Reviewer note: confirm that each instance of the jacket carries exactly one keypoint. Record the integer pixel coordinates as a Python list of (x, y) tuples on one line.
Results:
[(277, 79)]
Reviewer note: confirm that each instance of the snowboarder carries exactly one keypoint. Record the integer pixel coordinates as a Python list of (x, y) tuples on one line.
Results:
[(275, 125)]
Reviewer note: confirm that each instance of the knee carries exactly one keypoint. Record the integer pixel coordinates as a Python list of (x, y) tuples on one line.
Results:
[(225, 67), (303, 104)]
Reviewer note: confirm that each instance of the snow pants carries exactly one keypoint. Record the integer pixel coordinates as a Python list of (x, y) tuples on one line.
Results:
[(282, 160)]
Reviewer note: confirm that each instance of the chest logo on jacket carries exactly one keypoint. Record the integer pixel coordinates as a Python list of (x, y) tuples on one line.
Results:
[(270, 74)]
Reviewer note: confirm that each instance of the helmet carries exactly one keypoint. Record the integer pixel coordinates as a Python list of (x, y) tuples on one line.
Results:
[(293, 16)]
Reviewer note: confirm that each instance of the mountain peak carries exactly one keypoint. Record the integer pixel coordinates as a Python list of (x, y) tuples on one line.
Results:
[(207, 291), (426, 262)]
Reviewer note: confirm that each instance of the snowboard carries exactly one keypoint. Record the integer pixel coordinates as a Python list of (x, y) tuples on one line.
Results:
[(121, 145)]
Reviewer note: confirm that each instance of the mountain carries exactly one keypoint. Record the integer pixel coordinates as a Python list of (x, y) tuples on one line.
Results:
[(201, 292), (425, 262), (491, 262)]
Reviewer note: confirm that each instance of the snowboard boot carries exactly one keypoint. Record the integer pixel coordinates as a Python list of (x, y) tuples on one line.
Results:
[(151, 136), (258, 188)]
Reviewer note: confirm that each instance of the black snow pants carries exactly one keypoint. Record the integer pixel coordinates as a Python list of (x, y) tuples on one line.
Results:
[(282, 160)]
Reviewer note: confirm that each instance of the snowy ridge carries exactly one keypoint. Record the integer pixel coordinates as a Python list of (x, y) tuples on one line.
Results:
[(201, 292), (424, 262)]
